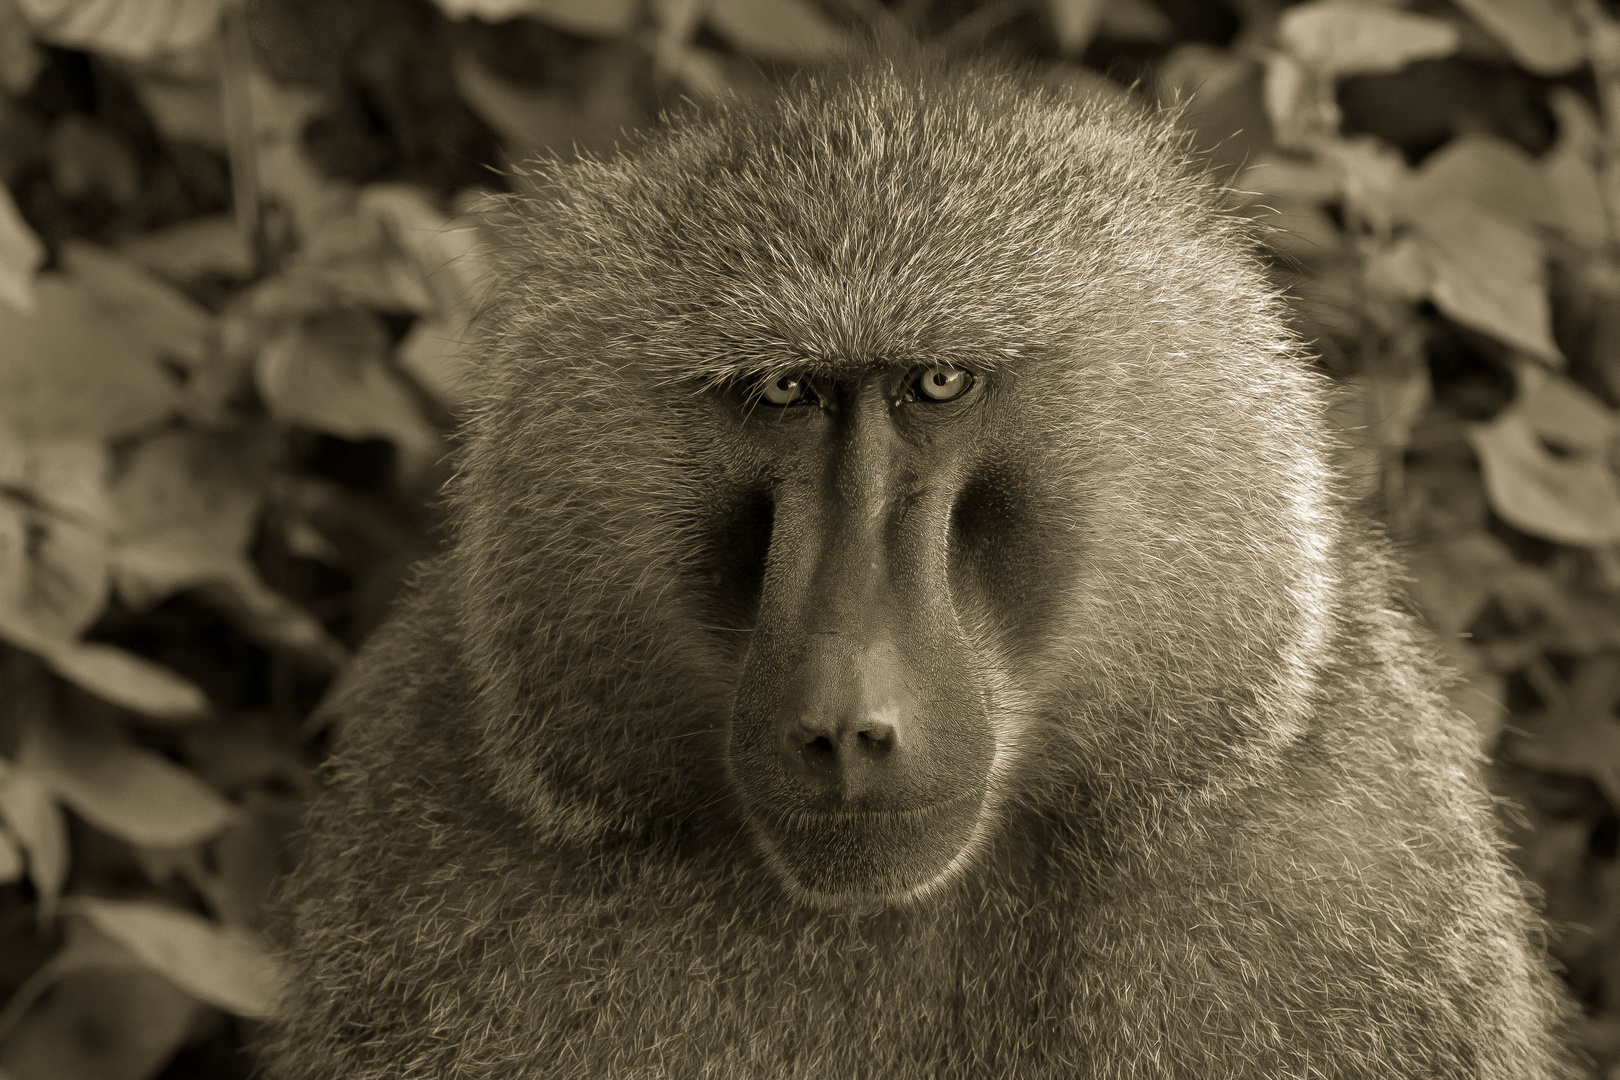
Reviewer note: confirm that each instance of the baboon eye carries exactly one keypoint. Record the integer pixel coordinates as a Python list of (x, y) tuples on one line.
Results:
[(943, 382), (784, 389)]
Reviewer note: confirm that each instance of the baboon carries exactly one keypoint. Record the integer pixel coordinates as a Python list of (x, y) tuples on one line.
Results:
[(901, 620)]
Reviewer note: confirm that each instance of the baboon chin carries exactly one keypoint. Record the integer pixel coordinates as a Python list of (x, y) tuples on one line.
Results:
[(902, 621), (866, 858)]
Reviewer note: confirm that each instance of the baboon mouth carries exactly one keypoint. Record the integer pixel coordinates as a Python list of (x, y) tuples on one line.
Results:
[(870, 816), (862, 858)]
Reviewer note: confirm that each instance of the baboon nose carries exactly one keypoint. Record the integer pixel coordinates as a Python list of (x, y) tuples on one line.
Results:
[(843, 757)]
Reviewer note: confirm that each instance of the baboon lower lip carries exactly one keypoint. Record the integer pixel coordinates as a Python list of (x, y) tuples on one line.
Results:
[(830, 858), (859, 815)]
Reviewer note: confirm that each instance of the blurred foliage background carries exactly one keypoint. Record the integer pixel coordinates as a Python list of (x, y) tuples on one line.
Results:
[(237, 265)]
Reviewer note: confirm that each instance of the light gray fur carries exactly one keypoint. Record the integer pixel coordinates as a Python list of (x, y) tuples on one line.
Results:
[(1239, 830)]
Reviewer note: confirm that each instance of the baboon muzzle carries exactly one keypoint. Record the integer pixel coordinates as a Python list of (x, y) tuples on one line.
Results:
[(860, 741)]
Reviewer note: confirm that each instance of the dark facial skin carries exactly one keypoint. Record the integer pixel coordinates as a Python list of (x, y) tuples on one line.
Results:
[(862, 742)]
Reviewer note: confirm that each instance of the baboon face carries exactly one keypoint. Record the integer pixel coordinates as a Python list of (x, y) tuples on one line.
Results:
[(943, 485), (865, 736)]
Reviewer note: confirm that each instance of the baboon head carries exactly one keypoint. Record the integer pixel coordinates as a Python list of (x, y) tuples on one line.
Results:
[(881, 463)]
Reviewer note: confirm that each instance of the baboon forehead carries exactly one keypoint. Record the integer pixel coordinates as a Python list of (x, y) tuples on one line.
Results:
[(885, 215)]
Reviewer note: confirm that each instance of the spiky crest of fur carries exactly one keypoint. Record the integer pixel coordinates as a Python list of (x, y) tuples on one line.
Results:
[(1239, 831)]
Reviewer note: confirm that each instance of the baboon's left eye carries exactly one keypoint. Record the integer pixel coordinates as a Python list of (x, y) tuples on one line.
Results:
[(943, 382), (783, 389)]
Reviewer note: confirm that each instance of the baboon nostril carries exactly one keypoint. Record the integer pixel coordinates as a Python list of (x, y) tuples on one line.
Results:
[(831, 754), (876, 738)]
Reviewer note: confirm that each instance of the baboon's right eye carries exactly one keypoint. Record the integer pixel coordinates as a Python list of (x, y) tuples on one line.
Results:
[(784, 389)]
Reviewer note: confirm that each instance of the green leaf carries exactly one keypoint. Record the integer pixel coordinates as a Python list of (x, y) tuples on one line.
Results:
[(90, 159), (68, 476), (1481, 695), (530, 121), (319, 206), (330, 373), (448, 255), (704, 72), (1542, 35), (20, 255), (1302, 181), (50, 590), (100, 1025), (184, 107), (53, 575), (1136, 20), (1300, 103), (1488, 274), (272, 618), (156, 313), (187, 514), (1572, 171), (16, 571), (1487, 172), (85, 949), (222, 966), (52, 555), (70, 578), (1454, 577), (77, 337), (1565, 414), (30, 812), (1391, 400), (1402, 269), (189, 508), (437, 353), (1572, 741), (493, 11), (1372, 175), (1337, 37), (539, 121), (587, 18), (129, 680), (777, 29), (54, 578), (1373, 413), (1573, 500), (124, 790), (20, 59), (184, 252), (11, 859), (129, 29), (1074, 22)]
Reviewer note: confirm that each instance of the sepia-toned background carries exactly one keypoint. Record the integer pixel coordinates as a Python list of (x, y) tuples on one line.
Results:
[(238, 258)]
